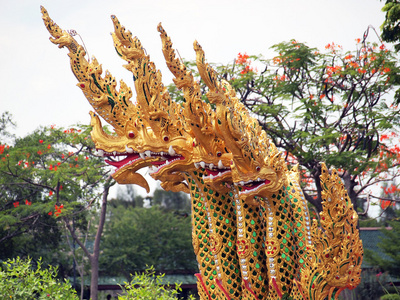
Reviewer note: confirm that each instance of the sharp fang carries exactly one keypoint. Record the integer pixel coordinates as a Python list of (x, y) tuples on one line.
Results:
[(220, 165), (128, 149), (203, 164), (171, 151), (211, 176), (148, 153), (211, 166), (115, 153), (196, 165), (100, 152), (167, 162), (241, 183), (142, 155)]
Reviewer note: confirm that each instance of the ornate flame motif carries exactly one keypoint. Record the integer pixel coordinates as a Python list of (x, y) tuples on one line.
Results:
[(252, 232)]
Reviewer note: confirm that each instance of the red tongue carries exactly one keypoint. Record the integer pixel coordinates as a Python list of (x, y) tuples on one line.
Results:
[(158, 163), (255, 184), (214, 173), (119, 164)]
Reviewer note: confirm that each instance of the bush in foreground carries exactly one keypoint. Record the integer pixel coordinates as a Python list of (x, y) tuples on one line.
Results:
[(19, 280)]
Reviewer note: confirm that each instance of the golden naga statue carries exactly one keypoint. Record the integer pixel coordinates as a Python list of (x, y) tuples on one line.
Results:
[(252, 232)]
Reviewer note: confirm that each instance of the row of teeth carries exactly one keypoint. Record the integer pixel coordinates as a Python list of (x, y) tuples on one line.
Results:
[(251, 190), (211, 176), (247, 182), (211, 166), (128, 163), (143, 155), (155, 169)]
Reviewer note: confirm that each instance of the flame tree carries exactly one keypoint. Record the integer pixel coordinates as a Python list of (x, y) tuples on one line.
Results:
[(50, 179), (330, 105)]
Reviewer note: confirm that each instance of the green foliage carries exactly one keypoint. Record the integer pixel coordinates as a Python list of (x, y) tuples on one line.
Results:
[(325, 106), (369, 223), (389, 245), (138, 237), (45, 176), (390, 297), (18, 280), (149, 286), (172, 201), (369, 287), (391, 25)]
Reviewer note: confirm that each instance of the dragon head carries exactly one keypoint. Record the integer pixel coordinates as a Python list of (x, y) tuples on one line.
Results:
[(209, 151), (122, 148), (169, 141), (255, 163)]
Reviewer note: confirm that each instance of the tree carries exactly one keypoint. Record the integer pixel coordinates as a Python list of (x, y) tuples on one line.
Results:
[(391, 25), (172, 201), (389, 245), (136, 238), (332, 106), (53, 176)]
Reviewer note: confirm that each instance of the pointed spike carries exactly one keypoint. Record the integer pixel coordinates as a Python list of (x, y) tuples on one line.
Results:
[(171, 151)]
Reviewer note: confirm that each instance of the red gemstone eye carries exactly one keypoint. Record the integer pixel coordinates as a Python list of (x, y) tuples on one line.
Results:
[(219, 154), (258, 168), (131, 134), (166, 139)]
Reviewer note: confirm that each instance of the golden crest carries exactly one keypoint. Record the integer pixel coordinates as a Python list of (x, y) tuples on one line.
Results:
[(248, 209)]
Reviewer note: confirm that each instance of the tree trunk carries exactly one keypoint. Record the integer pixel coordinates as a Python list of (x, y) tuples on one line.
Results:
[(94, 280), (94, 258)]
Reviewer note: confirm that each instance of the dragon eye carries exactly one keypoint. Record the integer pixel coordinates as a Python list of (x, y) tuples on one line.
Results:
[(219, 154), (131, 134), (166, 139), (258, 168)]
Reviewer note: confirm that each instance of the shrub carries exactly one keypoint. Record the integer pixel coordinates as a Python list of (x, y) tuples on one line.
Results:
[(19, 281), (391, 297), (148, 286)]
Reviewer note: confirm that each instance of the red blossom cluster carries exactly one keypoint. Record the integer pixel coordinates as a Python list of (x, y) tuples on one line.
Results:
[(16, 203), (57, 210), (243, 60), (72, 130), (391, 189)]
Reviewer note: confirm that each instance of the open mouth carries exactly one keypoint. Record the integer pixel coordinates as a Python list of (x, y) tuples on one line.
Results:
[(164, 161), (252, 185), (213, 171), (120, 160)]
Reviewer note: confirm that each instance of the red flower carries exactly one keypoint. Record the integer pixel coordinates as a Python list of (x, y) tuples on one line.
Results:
[(50, 193), (49, 146), (50, 213), (41, 141), (16, 204), (27, 202)]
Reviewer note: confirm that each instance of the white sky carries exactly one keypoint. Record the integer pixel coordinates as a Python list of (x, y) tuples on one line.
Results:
[(38, 87)]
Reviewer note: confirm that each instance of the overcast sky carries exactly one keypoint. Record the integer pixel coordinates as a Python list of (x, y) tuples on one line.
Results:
[(38, 87)]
